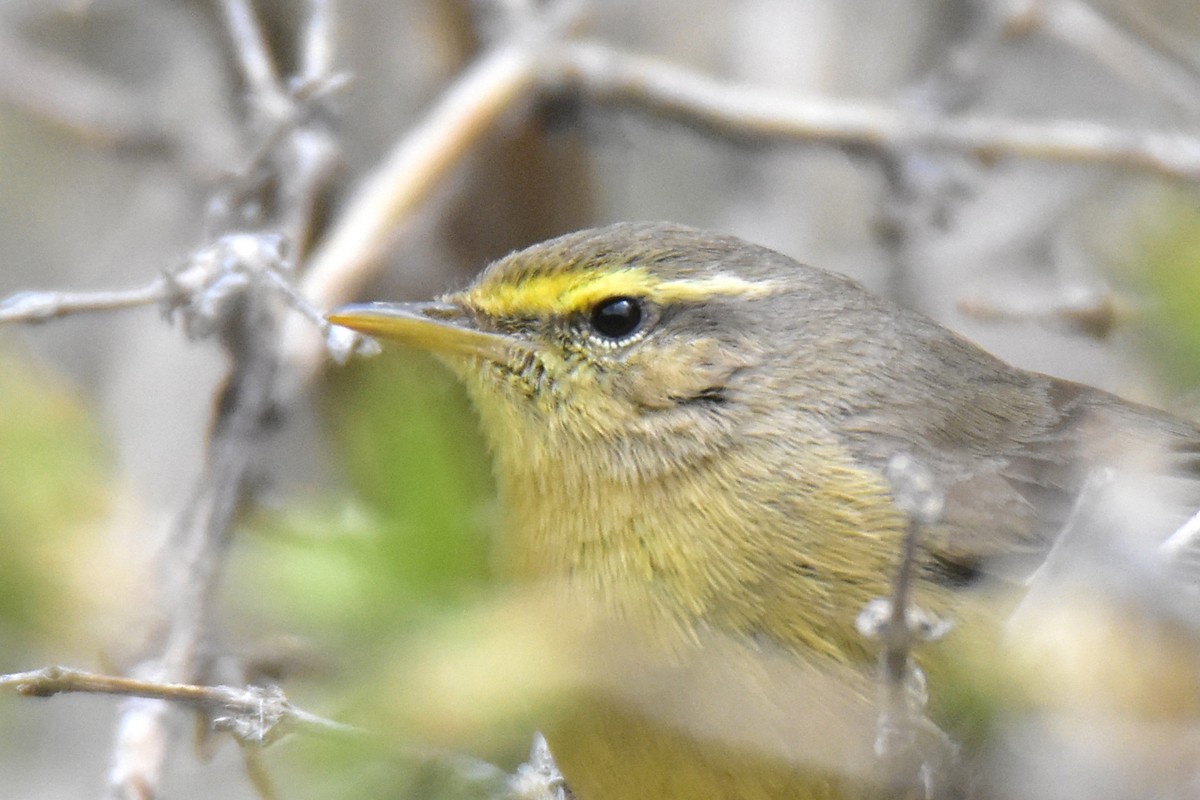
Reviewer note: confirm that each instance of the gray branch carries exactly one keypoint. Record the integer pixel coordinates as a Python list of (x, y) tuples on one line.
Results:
[(739, 112)]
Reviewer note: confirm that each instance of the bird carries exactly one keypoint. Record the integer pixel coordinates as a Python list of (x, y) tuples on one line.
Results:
[(691, 436)]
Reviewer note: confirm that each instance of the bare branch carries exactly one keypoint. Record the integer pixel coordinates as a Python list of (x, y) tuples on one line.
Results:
[(235, 300), (259, 716), (1092, 313), (254, 57), (392, 192), (922, 191), (916, 494), (389, 196), (316, 58), (39, 306), (732, 111), (913, 748), (1136, 58), (254, 715)]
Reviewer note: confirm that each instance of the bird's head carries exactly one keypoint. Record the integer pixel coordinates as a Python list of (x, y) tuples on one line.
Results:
[(637, 341)]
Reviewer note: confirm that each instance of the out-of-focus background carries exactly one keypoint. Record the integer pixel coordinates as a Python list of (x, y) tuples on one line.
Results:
[(124, 124)]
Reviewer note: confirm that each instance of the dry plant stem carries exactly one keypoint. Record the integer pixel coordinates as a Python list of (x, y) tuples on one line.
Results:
[(316, 59), (921, 191), (350, 253), (254, 59), (215, 700), (604, 75), (247, 411), (1132, 55), (1096, 314), (257, 716), (898, 636), (41, 306), (97, 110), (196, 549), (389, 195), (901, 723), (256, 772)]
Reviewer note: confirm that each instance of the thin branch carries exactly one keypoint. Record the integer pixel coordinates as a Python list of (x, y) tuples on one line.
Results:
[(40, 306), (250, 46), (253, 714), (1135, 58), (236, 303), (415, 166), (259, 716), (390, 195), (316, 55), (922, 191), (1093, 313), (254, 57), (727, 110), (912, 748), (916, 494)]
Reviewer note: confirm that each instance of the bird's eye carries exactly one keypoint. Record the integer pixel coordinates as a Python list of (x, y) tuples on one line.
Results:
[(617, 317)]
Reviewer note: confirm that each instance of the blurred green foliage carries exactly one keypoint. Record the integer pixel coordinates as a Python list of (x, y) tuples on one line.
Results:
[(53, 474), (399, 545), (413, 453), (408, 535), (1167, 272)]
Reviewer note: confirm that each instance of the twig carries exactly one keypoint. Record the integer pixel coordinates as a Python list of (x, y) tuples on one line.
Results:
[(349, 254), (916, 494), (1092, 313), (921, 189), (254, 59), (910, 745), (316, 55), (196, 548), (738, 112), (237, 305), (259, 716), (392, 192), (40, 306), (1134, 58), (254, 715)]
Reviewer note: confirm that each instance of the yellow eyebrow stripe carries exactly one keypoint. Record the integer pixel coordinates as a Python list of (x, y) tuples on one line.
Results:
[(562, 293)]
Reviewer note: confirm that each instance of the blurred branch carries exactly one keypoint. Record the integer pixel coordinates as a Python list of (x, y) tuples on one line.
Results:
[(1137, 56), (914, 751), (40, 306), (1093, 313), (259, 716), (253, 715), (316, 58), (389, 196), (254, 58), (236, 303), (731, 111), (91, 107), (200, 291), (922, 190)]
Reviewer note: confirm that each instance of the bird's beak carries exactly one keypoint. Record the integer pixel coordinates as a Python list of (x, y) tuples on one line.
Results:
[(440, 328)]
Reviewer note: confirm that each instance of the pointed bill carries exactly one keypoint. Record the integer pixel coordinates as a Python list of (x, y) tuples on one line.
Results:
[(437, 327)]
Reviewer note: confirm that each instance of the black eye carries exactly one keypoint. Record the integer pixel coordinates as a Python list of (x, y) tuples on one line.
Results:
[(617, 317)]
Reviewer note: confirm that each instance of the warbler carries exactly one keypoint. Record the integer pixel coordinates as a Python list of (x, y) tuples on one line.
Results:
[(694, 432)]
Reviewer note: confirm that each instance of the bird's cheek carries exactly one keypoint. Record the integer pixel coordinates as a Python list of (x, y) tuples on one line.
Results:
[(695, 372)]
